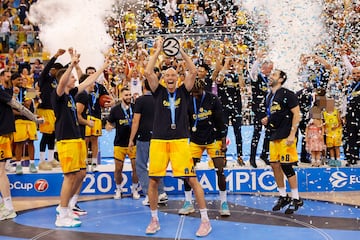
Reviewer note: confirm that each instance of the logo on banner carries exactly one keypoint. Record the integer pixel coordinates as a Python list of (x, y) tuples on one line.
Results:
[(338, 179), (41, 185)]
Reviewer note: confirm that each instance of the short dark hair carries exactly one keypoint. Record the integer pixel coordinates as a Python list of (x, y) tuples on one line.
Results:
[(83, 77), (60, 73), (90, 68), (147, 85), (283, 76), (57, 66)]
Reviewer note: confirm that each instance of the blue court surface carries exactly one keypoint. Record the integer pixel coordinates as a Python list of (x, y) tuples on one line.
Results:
[(251, 218)]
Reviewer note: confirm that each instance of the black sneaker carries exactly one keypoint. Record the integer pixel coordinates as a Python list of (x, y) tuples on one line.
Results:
[(240, 161), (294, 206), (282, 202), (77, 210)]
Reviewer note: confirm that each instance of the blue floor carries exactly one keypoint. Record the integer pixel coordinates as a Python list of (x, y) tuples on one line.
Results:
[(251, 218)]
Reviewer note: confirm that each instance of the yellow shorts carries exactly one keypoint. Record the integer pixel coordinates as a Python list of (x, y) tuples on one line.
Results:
[(96, 130), (177, 152), (334, 138), (25, 130), (121, 152), (72, 154), (5, 147), (212, 149), (49, 124), (280, 152)]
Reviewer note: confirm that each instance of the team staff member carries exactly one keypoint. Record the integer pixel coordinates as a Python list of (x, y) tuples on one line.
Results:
[(70, 144), (259, 90), (283, 121), (121, 116), (207, 125), (169, 141)]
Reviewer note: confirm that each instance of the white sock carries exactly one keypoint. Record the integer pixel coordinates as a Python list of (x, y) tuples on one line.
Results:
[(282, 192), (188, 196), (223, 196), (8, 203), (42, 156), (73, 200), (154, 214), (204, 215), (18, 163), (118, 187), (295, 193), (134, 187), (94, 160), (32, 161), (51, 154)]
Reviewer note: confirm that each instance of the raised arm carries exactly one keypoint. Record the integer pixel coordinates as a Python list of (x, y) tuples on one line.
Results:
[(192, 71), (93, 77), (149, 73), (64, 80)]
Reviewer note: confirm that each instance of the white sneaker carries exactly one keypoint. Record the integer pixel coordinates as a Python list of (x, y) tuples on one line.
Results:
[(44, 166), (117, 194), (67, 222), (71, 214), (163, 198), (94, 168), (135, 193), (146, 202), (6, 213)]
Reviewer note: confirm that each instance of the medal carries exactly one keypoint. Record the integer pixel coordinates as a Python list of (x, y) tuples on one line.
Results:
[(193, 129), (173, 126)]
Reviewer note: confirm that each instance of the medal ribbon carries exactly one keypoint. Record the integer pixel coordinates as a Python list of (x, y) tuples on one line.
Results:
[(172, 106), (196, 110)]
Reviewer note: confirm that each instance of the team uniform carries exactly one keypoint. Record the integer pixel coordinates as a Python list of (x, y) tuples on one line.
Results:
[(122, 119), (7, 126), (279, 105), (169, 141), (47, 85), (206, 121), (94, 111), (67, 132), (25, 128)]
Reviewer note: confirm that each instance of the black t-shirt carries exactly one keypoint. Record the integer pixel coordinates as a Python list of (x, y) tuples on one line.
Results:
[(85, 99), (229, 93), (122, 119), (280, 105), (144, 105), (67, 123), (162, 117), (210, 122), (99, 90), (47, 85), (7, 119)]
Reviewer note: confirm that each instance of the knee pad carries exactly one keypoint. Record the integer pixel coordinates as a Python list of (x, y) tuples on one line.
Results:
[(288, 170)]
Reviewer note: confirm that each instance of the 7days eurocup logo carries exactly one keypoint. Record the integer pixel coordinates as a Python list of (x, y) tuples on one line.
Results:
[(340, 179), (41, 185)]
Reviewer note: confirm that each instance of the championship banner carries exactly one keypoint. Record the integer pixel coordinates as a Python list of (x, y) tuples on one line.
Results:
[(237, 180)]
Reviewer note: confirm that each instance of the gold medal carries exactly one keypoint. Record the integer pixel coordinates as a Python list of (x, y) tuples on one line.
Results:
[(193, 129), (173, 126)]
